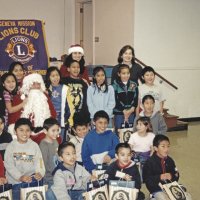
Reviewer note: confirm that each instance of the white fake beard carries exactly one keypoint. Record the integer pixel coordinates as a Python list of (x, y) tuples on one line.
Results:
[(36, 108)]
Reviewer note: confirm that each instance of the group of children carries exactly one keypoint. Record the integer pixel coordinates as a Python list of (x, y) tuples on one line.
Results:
[(88, 111)]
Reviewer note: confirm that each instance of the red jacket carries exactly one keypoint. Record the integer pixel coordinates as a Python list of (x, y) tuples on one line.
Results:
[(1, 167), (65, 73)]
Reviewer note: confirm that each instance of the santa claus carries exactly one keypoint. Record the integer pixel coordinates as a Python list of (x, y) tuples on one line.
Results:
[(39, 106)]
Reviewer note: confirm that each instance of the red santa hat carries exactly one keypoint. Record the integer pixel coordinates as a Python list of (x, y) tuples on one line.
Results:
[(75, 48)]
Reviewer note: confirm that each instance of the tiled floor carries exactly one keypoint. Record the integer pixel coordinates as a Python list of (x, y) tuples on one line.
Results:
[(185, 150)]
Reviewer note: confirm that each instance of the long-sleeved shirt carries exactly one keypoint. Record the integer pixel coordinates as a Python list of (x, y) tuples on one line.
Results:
[(23, 159), (65, 179), (126, 96), (96, 146), (158, 123), (154, 167), (98, 100)]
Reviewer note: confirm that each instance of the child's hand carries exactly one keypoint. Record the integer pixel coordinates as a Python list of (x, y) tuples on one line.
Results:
[(166, 176), (93, 178), (106, 159), (127, 177), (38, 176), (3, 181), (26, 179)]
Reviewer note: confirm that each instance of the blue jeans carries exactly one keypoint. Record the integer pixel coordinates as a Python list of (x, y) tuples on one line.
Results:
[(119, 120), (16, 188)]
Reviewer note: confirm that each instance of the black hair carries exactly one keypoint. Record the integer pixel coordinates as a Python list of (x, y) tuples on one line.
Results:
[(23, 121), (80, 119), (147, 122), (48, 74), (95, 71), (3, 79), (73, 61), (123, 66), (49, 122), (101, 114), (68, 61), (148, 69), (158, 139), (64, 145), (12, 66), (123, 50), (122, 145), (2, 119), (146, 97)]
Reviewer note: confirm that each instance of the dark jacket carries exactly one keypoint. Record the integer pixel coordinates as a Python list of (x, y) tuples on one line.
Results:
[(135, 73), (5, 139), (131, 170), (126, 96), (153, 169)]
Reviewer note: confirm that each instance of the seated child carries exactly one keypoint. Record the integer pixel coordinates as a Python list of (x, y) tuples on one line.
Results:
[(49, 147), (149, 87), (5, 137), (99, 144), (23, 159), (70, 179), (123, 154), (157, 120), (142, 141), (2, 175), (80, 130), (160, 168)]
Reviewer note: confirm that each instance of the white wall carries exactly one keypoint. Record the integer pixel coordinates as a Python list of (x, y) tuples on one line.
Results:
[(166, 36)]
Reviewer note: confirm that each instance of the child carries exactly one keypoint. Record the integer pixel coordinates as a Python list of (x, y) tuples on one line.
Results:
[(80, 130), (158, 123), (9, 82), (100, 96), (124, 164), (5, 137), (23, 159), (126, 97), (99, 144), (142, 141), (77, 91), (148, 74), (160, 168), (58, 95), (18, 70), (75, 52), (70, 179), (3, 180), (48, 147)]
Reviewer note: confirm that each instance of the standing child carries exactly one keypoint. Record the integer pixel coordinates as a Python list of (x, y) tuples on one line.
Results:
[(80, 130), (49, 147), (126, 97), (9, 82), (3, 180), (99, 144), (149, 87), (58, 95), (160, 168), (127, 168), (70, 179), (142, 140), (77, 91), (23, 159), (157, 120), (5, 137), (100, 95)]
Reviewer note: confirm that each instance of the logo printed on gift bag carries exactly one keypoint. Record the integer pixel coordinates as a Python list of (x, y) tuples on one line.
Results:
[(177, 192), (120, 195), (35, 195), (99, 196), (4, 198)]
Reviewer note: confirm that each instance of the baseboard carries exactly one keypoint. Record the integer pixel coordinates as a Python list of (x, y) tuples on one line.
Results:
[(191, 119)]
